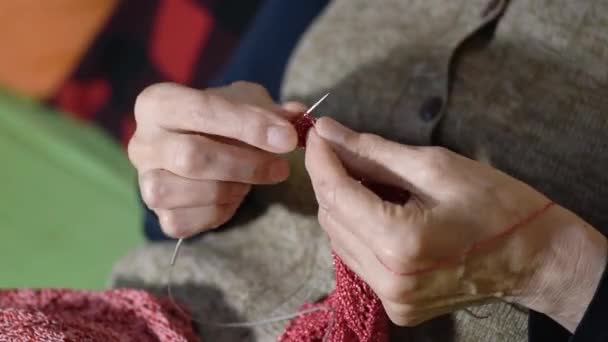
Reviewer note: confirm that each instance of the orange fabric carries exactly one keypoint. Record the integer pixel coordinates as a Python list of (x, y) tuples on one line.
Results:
[(42, 41)]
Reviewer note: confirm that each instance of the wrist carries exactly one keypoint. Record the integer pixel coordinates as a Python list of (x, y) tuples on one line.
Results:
[(568, 267)]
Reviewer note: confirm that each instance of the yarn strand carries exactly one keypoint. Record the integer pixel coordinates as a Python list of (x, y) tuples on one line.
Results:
[(244, 324)]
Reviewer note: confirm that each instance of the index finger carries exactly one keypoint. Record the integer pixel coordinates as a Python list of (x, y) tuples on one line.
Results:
[(175, 107), (353, 205), (409, 167)]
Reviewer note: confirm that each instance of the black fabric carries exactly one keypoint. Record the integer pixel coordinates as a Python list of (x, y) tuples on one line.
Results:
[(542, 328), (593, 327)]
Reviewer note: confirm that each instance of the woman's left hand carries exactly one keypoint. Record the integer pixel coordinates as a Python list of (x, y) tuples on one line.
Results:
[(469, 233)]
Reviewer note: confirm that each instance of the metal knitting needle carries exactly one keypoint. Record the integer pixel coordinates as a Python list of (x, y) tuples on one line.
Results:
[(263, 321), (180, 241), (316, 104), (176, 251)]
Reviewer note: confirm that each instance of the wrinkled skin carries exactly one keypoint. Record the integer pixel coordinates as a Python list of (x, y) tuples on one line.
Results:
[(198, 153), (446, 248)]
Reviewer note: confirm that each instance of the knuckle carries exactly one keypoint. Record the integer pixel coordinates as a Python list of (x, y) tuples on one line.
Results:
[(252, 88), (149, 98), (394, 261), (435, 160), (237, 166), (253, 131), (493, 192), (205, 99), (327, 197), (399, 256), (389, 288), (437, 157), (366, 144), (189, 158), (241, 84), (368, 139), (184, 162), (204, 107), (390, 254), (153, 189)]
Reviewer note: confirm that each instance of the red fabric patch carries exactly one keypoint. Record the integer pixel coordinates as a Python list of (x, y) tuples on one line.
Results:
[(84, 99), (128, 129), (180, 31)]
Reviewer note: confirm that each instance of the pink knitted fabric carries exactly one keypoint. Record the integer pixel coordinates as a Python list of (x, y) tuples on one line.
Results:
[(356, 314), (67, 315)]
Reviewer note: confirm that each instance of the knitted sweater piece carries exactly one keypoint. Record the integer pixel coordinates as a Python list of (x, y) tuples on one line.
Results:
[(70, 315), (353, 314)]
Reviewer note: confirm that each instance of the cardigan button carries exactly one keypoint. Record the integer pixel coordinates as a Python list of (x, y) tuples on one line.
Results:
[(430, 108)]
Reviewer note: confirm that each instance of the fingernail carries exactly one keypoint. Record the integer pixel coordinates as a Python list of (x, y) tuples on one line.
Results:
[(294, 107), (280, 136), (279, 170), (332, 130)]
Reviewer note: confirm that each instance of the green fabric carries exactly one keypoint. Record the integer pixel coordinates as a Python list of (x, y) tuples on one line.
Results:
[(68, 205)]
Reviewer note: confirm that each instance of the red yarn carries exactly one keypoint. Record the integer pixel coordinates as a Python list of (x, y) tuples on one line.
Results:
[(356, 314), (305, 122), (69, 315)]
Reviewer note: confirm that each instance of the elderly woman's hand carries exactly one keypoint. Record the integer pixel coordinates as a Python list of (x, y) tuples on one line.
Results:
[(198, 152), (469, 233)]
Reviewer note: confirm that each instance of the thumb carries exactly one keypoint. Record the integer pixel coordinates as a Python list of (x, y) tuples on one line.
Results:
[(373, 157)]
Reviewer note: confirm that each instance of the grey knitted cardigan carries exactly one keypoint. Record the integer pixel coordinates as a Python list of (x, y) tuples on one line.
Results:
[(520, 85)]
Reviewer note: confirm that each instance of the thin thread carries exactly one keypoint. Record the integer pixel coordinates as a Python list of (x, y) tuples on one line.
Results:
[(450, 260), (246, 324)]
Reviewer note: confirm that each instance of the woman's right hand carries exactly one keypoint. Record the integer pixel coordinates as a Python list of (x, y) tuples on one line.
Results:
[(197, 153)]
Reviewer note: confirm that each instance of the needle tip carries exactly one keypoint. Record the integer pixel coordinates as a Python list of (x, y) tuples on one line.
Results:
[(316, 104)]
